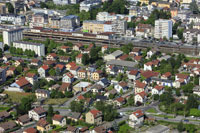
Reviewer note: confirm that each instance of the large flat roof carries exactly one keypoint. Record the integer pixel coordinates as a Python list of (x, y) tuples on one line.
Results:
[(122, 63)]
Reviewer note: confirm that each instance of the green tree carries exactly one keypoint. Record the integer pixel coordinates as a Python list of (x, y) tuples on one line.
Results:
[(25, 105), (196, 80), (1, 53), (52, 72), (180, 33), (50, 114), (77, 106), (85, 59), (10, 7), (192, 102), (69, 94), (180, 127), (194, 7), (6, 47), (130, 101)]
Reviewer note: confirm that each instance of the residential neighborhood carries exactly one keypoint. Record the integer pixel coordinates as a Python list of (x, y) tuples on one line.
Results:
[(99, 66)]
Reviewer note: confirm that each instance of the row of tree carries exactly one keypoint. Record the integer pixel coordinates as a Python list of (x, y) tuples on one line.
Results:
[(20, 51)]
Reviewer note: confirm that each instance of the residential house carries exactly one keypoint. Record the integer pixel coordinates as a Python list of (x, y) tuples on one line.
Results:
[(133, 75), (140, 87), (136, 119), (71, 129), (196, 90), (118, 102), (111, 92), (6, 126), (74, 70), (11, 71), (166, 75), (82, 74), (43, 126), (163, 82), (59, 120), (157, 90), (64, 59), (112, 70), (104, 82), (37, 113), (65, 87), (7, 58), (31, 77), (97, 88), (60, 67), (18, 62), (182, 78), (137, 58), (121, 87), (81, 86), (140, 97), (149, 65), (23, 120), (36, 62), (75, 116), (136, 51), (104, 48), (64, 48), (78, 47), (94, 117), (51, 56), (4, 115), (21, 83), (43, 71), (96, 75), (41, 93), (68, 77), (54, 87), (79, 59)]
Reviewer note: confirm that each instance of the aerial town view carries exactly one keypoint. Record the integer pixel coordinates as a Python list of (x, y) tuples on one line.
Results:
[(100, 66)]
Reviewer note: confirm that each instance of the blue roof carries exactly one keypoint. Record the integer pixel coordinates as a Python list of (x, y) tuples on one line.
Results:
[(69, 17)]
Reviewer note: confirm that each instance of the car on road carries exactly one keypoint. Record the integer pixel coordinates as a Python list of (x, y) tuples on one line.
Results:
[(165, 117), (186, 120)]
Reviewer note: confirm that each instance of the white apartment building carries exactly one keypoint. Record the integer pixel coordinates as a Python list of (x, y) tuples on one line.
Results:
[(87, 5), (38, 48), (11, 35), (105, 16), (163, 28)]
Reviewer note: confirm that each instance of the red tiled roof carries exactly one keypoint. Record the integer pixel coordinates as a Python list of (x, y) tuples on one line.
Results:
[(142, 94), (149, 74), (45, 67), (31, 75), (42, 123), (60, 66), (133, 72), (30, 130), (39, 110), (95, 112), (64, 47), (79, 56), (138, 58), (167, 74), (22, 82), (69, 74), (140, 84), (159, 88), (81, 97), (57, 117), (120, 99), (72, 64), (53, 55), (123, 84), (124, 57), (138, 113), (34, 60), (182, 76)]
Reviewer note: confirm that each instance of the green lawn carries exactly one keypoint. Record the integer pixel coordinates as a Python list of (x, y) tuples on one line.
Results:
[(56, 101), (4, 108), (17, 96), (151, 110), (164, 116)]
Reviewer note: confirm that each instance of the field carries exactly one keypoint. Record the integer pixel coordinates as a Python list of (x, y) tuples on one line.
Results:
[(56, 101), (16, 97), (151, 110)]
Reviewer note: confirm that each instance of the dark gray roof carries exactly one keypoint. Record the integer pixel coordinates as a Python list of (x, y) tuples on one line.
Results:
[(122, 63)]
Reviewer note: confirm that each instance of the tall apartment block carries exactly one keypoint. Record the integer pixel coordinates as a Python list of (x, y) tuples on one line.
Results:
[(11, 35), (163, 28)]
